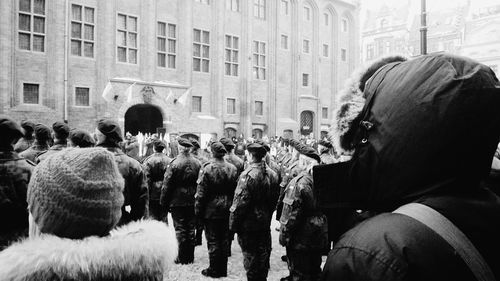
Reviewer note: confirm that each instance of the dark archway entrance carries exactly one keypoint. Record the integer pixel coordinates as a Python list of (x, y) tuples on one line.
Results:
[(144, 118), (306, 123)]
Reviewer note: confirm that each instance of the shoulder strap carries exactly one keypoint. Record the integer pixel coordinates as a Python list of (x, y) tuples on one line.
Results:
[(449, 232)]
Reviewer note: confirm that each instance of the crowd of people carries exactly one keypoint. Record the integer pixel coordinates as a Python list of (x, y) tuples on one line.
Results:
[(94, 208)]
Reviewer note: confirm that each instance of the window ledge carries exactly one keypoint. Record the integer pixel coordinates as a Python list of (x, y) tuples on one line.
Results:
[(32, 108)]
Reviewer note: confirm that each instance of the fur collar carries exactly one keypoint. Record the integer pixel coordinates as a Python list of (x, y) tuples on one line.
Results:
[(142, 250)]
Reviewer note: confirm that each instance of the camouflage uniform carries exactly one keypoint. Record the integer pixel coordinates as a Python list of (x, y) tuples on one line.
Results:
[(53, 149), (155, 167), (136, 190), (213, 199), (33, 152), (327, 158), (287, 175), (23, 144), (236, 161), (253, 204), (199, 224), (15, 174), (304, 230), (179, 188)]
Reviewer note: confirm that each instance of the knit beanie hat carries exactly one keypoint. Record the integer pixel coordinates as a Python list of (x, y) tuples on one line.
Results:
[(77, 193)]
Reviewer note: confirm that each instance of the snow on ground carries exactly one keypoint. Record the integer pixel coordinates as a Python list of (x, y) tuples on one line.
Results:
[(236, 272)]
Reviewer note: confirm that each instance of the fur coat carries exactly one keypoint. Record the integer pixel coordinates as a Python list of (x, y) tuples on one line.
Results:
[(143, 250)]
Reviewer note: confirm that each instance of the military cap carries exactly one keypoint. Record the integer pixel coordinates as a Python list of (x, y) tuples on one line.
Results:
[(42, 132), (228, 144), (195, 144), (28, 126), (81, 138), (256, 149), (325, 143), (309, 152), (218, 147), (264, 144), (184, 142), (61, 129), (159, 145), (110, 129), (10, 128)]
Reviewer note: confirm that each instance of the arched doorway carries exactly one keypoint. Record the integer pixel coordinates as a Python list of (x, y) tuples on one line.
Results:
[(229, 133), (144, 118), (306, 123), (257, 134)]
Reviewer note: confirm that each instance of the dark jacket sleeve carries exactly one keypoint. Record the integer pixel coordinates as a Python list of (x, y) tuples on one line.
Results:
[(167, 188), (140, 201), (241, 202), (200, 198)]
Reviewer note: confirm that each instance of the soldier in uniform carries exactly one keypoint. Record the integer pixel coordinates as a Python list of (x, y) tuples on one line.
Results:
[(15, 174), (250, 215), (155, 167), (135, 207), (80, 138), (28, 139), (231, 157), (41, 144), (213, 199), (179, 188), (195, 151), (324, 148), (60, 135), (303, 227)]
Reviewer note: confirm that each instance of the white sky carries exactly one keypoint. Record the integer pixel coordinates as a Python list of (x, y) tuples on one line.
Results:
[(431, 5)]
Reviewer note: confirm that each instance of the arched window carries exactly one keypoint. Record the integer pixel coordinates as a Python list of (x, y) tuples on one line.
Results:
[(306, 122), (257, 134), (229, 133)]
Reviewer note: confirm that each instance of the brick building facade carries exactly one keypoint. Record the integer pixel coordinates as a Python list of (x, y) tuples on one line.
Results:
[(227, 67)]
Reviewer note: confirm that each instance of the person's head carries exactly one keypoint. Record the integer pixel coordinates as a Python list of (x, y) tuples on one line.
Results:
[(185, 145), (422, 111), (108, 131), (308, 158), (196, 146), (256, 152), (60, 130), (76, 194), (228, 144), (218, 150), (42, 134), (158, 145), (80, 138), (29, 128), (10, 131)]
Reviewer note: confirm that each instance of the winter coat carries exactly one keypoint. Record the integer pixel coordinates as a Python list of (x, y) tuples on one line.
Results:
[(142, 251), (155, 166), (215, 191), (254, 199), (179, 186), (15, 174), (135, 192), (417, 115)]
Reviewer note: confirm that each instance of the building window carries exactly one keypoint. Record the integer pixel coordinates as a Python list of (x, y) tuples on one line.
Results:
[(201, 50), (233, 5), (370, 51), (259, 9), (231, 56), (326, 50), (82, 31), (82, 96), (203, 1), (126, 38), (307, 13), (196, 104), (284, 7), (31, 94), (383, 23), (259, 108), (305, 79), (167, 44), (259, 60), (231, 106), (344, 25), (32, 25), (284, 42), (324, 112), (305, 46), (343, 54), (327, 20)]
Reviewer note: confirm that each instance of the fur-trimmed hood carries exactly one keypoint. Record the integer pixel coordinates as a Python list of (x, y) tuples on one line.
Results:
[(142, 250)]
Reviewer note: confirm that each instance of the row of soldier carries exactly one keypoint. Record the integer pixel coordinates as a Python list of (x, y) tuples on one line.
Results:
[(223, 195)]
